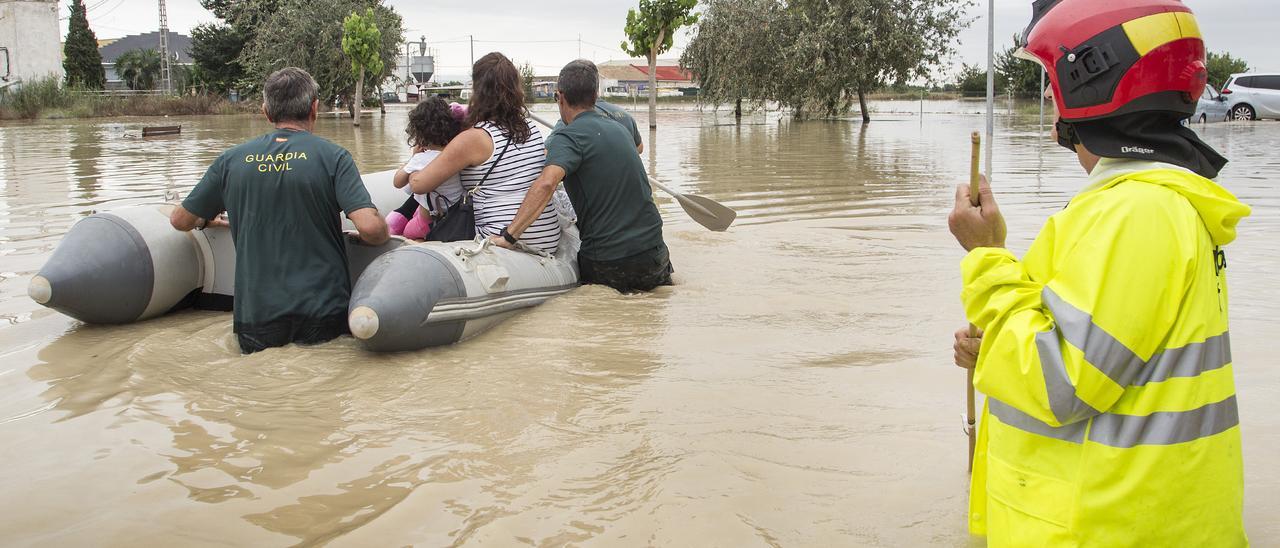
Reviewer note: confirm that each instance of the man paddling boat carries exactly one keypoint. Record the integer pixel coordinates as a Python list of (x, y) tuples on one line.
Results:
[(1111, 414), (595, 156)]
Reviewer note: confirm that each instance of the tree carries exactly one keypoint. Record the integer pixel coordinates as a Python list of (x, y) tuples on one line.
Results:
[(361, 41), (139, 68), (526, 77), (215, 48), (857, 46), (650, 32), (729, 56), (972, 80), (818, 56), (1017, 76), (308, 34), (81, 60), (1222, 66)]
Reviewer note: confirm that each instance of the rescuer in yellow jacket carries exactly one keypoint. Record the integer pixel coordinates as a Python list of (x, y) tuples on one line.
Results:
[(1111, 415)]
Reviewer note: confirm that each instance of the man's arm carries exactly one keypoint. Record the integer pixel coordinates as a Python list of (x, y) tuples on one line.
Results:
[(535, 202), (205, 200), (185, 221), (470, 148), (371, 226), (1063, 350)]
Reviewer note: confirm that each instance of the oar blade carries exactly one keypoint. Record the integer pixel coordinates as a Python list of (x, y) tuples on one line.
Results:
[(707, 212)]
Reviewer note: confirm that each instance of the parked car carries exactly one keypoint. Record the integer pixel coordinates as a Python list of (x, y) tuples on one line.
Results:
[(1253, 96), (1212, 107), (390, 97)]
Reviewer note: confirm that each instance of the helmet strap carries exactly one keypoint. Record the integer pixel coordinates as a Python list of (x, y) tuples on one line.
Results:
[(1067, 137)]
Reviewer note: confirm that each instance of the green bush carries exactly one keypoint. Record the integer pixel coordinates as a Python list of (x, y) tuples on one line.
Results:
[(32, 97), (49, 99)]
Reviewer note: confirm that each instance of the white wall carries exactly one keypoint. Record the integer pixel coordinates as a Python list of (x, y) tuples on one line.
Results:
[(29, 29)]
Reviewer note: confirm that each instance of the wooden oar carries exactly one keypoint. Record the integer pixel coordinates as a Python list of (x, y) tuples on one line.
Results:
[(705, 211), (975, 186)]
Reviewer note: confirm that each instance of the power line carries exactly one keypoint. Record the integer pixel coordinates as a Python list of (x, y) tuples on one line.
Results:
[(526, 41)]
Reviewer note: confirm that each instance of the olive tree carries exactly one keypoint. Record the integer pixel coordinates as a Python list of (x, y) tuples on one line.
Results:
[(731, 63), (308, 34), (819, 56)]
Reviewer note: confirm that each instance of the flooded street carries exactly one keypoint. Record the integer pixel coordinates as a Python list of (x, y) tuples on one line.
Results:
[(794, 388)]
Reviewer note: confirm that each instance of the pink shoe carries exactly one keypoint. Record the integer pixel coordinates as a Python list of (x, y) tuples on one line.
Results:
[(396, 223), (419, 226)]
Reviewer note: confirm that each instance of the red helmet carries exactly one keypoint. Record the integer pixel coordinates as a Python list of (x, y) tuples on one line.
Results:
[(1111, 57)]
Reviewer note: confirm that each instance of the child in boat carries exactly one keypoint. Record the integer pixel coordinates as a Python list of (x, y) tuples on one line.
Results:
[(432, 124)]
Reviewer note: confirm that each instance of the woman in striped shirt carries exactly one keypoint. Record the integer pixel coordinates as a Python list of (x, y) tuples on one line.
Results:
[(502, 143)]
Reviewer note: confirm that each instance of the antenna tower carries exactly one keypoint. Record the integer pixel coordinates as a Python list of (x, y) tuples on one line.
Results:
[(165, 75)]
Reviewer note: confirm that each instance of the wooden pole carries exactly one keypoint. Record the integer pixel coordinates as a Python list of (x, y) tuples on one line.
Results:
[(975, 186)]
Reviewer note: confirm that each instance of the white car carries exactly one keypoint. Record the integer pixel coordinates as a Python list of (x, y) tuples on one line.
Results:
[(1253, 96), (1212, 107)]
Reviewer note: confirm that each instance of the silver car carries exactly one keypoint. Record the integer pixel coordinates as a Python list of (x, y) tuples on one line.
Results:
[(1212, 107), (1253, 96)]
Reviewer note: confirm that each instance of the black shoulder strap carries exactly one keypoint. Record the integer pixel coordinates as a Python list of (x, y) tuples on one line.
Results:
[(490, 172)]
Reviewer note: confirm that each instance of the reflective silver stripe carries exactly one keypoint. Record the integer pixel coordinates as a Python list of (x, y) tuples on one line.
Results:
[(1066, 406), (1164, 428), (1073, 433), (1188, 361), (1126, 431), (1103, 351)]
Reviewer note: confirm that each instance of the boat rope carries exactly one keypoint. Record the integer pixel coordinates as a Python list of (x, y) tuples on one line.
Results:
[(483, 243)]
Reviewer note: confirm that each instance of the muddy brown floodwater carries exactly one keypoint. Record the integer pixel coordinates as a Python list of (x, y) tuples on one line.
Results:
[(793, 389)]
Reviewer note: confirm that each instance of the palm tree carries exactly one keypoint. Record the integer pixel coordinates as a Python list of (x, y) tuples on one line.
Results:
[(139, 68)]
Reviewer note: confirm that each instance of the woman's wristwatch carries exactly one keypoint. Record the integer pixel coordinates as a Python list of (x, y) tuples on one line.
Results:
[(506, 235)]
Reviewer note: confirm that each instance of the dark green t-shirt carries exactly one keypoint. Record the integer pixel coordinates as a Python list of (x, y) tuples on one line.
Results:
[(607, 184), (619, 115), (283, 193)]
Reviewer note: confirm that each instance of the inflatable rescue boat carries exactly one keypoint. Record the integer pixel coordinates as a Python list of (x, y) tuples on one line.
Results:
[(129, 265)]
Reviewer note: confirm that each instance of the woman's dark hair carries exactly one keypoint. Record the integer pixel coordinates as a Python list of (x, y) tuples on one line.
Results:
[(497, 96), (431, 123)]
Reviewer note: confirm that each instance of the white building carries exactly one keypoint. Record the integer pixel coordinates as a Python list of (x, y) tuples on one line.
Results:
[(29, 41)]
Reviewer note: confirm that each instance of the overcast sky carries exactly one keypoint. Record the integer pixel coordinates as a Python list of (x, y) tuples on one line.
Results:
[(546, 32)]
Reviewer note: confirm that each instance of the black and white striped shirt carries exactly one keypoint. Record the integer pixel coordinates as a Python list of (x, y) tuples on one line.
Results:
[(499, 198)]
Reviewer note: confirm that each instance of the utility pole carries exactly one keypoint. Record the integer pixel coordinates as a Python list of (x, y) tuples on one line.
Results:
[(472, 39), (991, 84), (579, 46), (164, 50)]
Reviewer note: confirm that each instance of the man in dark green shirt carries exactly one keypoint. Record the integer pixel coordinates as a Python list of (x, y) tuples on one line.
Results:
[(619, 115), (595, 156), (283, 192)]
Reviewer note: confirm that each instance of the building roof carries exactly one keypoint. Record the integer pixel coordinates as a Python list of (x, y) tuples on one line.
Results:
[(179, 44), (635, 70), (621, 72), (667, 73), (645, 62)]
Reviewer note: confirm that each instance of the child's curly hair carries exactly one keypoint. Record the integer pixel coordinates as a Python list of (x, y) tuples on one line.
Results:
[(432, 123)]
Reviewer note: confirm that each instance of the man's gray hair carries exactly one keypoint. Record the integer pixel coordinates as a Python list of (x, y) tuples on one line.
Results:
[(579, 83), (288, 94)]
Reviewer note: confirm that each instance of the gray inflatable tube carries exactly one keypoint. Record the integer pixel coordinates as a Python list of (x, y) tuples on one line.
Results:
[(434, 293), (129, 264)]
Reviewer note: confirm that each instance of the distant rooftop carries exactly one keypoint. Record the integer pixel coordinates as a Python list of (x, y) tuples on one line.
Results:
[(179, 44), (634, 70)]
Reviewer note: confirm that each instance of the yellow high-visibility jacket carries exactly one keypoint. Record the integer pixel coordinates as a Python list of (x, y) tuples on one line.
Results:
[(1110, 417)]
